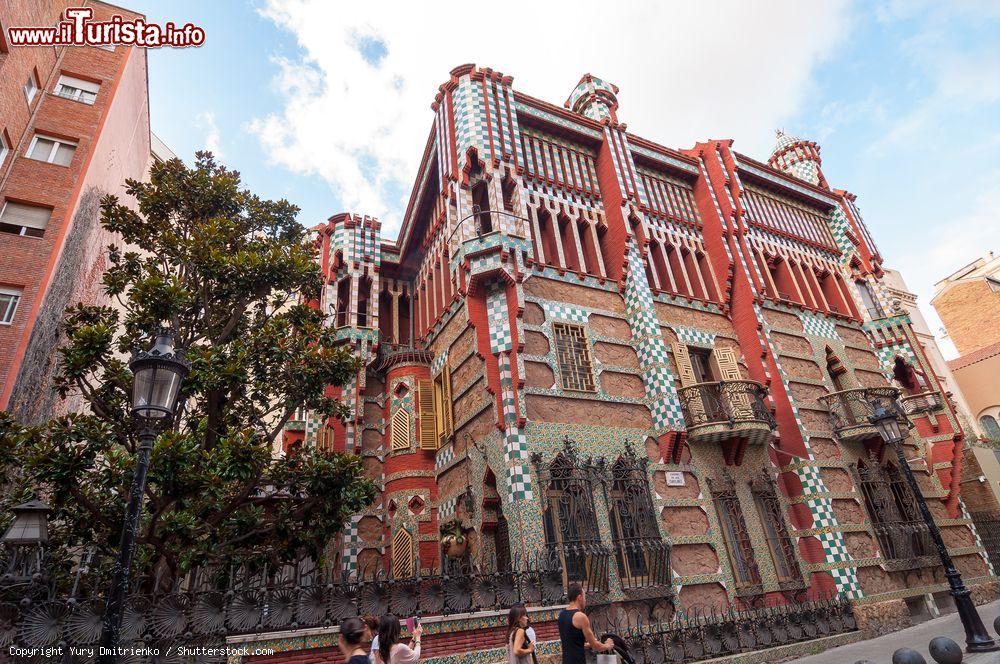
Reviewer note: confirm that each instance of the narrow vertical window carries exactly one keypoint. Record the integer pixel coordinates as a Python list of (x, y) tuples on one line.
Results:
[(779, 543), (428, 418), (402, 554), (641, 554), (746, 573), (442, 406), (869, 300), (576, 369)]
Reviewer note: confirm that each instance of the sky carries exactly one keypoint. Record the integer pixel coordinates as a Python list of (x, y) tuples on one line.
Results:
[(327, 104)]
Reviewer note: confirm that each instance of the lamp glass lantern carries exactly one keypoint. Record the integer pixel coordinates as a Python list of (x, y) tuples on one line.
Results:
[(30, 525), (887, 423), (158, 374)]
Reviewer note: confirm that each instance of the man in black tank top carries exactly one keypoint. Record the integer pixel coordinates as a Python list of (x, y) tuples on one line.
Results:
[(574, 629)]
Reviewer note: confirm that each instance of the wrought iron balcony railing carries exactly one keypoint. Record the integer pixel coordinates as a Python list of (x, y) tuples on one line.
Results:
[(644, 565), (727, 409), (850, 410), (390, 355), (925, 402), (906, 545)]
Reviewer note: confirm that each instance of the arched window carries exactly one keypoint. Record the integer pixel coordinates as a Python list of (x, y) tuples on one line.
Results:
[(990, 427)]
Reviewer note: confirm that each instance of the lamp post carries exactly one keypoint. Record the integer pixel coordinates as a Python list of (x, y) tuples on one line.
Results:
[(26, 537), (157, 377), (887, 420)]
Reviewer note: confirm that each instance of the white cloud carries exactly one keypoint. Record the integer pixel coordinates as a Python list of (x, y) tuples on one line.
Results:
[(212, 142), (356, 109), (955, 242)]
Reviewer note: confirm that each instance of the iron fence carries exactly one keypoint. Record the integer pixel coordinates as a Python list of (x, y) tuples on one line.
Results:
[(988, 526), (697, 635)]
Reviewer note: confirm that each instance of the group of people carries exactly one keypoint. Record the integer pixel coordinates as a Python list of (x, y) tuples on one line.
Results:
[(369, 640)]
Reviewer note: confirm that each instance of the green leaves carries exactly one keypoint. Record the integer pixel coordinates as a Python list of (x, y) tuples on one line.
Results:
[(227, 270)]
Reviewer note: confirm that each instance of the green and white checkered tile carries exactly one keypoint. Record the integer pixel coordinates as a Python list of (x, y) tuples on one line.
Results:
[(839, 225), (501, 339), (447, 508), (444, 456), (847, 582), (887, 357), (438, 362), (818, 326), (352, 544), (693, 337), (562, 312)]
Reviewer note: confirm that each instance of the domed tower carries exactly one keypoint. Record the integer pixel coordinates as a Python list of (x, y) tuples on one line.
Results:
[(797, 157)]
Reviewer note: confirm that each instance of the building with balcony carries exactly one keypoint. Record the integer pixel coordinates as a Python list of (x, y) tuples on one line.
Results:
[(74, 124), (650, 365)]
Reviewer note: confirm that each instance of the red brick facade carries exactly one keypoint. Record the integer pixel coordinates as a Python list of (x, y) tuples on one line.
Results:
[(112, 143)]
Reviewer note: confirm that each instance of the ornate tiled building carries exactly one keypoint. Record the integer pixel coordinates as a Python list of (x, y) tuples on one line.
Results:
[(650, 365)]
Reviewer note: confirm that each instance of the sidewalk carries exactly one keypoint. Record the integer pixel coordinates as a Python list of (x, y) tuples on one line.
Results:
[(879, 650)]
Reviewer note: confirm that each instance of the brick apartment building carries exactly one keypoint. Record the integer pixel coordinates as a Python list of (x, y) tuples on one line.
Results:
[(74, 124), (588, 345), (968, 302)]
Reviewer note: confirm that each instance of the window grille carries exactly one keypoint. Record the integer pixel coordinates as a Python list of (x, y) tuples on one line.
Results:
[(902, 535), (576, 369), (746, 573), (779, 543), (325, 438), (642, 556), (570, 520)]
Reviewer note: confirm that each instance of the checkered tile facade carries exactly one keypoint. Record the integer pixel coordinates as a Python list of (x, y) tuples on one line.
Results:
[(651, 348), (818, 326), (352, 545), (694, 337)]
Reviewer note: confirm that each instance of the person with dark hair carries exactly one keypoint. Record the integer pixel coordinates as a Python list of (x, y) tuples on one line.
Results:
[(390, 650), (371, 636), (519, 647), (351, 641), (575, 632)]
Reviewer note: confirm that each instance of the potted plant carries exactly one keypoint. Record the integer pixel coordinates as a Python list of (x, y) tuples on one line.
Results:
[(454, 543)]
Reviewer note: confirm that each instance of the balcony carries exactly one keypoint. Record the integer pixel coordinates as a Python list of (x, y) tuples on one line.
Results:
[(926, 402), (850, 411), (725, 410), (390, 355)]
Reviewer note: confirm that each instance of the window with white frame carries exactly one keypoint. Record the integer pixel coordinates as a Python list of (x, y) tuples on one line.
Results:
[(4, 146), (53, 150), (9, 297), (77, 89), (24, 219), (30, 87)]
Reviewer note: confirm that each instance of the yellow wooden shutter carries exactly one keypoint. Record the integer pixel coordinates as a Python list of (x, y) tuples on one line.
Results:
[(400, 434), (726, 360), (684, 368), (443, 405), (425, 405), (402, 554)]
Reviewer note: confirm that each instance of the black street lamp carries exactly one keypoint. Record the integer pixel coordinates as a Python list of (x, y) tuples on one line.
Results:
[(157, 377), (26, 538), (886, 418)]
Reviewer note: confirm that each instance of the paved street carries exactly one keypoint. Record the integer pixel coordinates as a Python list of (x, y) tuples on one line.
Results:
[(880, 650)]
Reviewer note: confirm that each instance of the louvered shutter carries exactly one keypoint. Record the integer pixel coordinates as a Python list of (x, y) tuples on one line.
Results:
[(402, 554), (400, 434), (685, 371), (735, 396), (425, 405), (443, 405)]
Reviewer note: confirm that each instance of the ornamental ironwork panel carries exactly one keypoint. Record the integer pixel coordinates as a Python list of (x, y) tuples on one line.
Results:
[(742, 559), (925, 402), (988, 526), (852, 409), (570, 519), (696, 635), (780, 544), (903, 537), (729, 401), (576, 369), (642, 556)]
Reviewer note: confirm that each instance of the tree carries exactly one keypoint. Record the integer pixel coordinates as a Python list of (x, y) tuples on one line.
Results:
[(233, 275)]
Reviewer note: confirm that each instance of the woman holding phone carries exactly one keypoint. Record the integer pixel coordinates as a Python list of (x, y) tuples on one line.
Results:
[(390, 650)]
